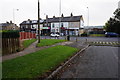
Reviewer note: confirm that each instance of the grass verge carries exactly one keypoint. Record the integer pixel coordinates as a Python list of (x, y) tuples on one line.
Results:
[(97, 35), (38, 63), (26, 43), (48, 42)]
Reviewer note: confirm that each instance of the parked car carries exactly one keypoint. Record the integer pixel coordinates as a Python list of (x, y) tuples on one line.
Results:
[(54, 35), (111, 34)]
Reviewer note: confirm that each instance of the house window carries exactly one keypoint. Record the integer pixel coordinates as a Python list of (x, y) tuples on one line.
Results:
[(53, 25), (26, 26), (53, 30), (45, 25), (34, 26), (48, 24), (61, 24)]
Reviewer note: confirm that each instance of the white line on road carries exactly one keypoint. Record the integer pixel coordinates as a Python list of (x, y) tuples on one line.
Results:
[(114, 54)]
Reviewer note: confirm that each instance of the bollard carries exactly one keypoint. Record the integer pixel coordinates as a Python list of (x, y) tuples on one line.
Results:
[(86, 40), (76, 39), (45, 36), (65, 38), (68, 38)]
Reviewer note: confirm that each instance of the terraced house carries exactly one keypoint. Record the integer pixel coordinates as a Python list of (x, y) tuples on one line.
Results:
[(61, 25), (8, 26)]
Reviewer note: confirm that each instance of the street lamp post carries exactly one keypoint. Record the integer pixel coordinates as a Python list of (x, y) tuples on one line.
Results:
[(88, 16), (14, 14), (87, 22)]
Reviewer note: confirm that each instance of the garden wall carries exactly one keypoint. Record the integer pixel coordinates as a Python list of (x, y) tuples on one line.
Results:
[(27, 35)]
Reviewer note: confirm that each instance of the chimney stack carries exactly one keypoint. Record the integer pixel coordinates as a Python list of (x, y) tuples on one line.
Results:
[(46, 16), (62, 15), (10, 22), (53, 16), (71, 14)]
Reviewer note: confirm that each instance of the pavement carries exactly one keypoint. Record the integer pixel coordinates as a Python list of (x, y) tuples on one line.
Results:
[(79, 44), (32, 48)]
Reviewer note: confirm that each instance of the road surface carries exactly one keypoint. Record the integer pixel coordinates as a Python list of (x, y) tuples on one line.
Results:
[(96, 62), (89, 39)]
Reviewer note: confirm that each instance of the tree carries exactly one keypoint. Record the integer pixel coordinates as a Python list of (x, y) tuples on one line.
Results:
[(113, 24), (117, 14)]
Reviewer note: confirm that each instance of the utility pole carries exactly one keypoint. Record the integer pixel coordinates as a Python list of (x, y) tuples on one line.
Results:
[(38, 22)]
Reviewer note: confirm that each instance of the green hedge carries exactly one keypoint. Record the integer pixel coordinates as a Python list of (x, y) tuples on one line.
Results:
[(10, 34), (84, 35)]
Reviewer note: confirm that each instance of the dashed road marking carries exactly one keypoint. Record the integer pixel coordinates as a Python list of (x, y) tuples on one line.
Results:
[(111, 43), (105, 43)]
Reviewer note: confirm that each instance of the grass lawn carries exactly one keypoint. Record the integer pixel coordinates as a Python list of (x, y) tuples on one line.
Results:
[(47, 42), (36, 64), (97, 35), (26, 43)]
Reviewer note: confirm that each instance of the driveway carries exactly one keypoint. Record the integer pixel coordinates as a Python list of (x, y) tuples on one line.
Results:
[(96, 62)]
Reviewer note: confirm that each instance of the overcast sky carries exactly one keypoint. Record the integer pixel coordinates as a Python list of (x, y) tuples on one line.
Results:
[(99, 10)]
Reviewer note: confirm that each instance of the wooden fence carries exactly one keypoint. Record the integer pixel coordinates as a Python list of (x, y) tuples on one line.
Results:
[(10, 42), (10, 45)]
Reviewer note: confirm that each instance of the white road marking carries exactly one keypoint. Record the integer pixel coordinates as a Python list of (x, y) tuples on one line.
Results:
[(114, 43), (107, 43), (111, 43), (103, 42), (114, 54)]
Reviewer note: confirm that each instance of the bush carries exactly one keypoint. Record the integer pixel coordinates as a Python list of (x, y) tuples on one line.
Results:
[(84, 34)]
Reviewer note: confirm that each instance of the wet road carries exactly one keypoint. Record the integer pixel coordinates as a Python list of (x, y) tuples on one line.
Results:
[(96, 62)]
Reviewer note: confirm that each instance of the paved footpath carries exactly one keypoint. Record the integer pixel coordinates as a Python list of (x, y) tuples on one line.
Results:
[(32, 48)]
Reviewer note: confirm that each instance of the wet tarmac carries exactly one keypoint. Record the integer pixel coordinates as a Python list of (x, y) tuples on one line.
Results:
[(96, 62)]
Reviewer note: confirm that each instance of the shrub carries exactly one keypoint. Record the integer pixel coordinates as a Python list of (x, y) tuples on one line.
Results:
[(84, 34)]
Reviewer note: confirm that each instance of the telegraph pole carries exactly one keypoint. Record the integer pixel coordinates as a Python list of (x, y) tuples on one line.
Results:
[(38, 22)]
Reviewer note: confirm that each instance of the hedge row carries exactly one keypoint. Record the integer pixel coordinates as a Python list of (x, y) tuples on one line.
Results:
[(10, 34)]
